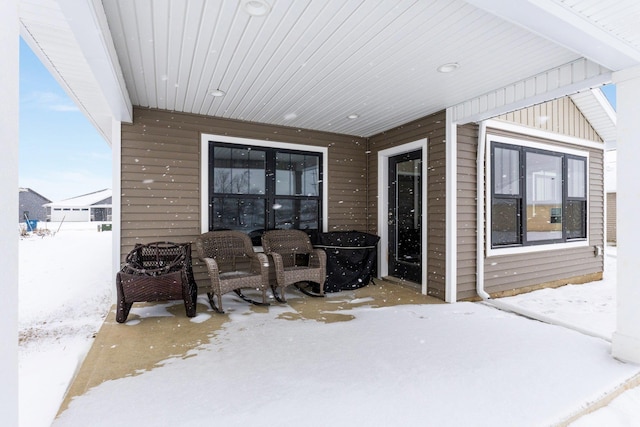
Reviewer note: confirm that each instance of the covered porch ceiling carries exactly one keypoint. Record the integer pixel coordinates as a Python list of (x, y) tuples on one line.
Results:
[(313, 63)]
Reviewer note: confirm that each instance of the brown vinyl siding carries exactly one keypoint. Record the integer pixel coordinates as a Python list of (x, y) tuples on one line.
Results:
[(467, 208), (562, 116), (161, 189), (433, 128), (611, 218), (509, 272), (160, 194)]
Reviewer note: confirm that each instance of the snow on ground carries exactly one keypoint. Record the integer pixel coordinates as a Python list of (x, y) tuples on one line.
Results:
[(461, 364), (64, 295)]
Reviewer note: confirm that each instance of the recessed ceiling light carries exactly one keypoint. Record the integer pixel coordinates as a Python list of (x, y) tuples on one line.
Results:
[(217, 93), (255, 7), (449, 67), (352, 116)]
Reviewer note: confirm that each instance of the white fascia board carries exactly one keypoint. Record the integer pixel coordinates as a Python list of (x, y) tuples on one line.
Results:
[(544, 134), (88, 22), (97, 123), (556, 83), (556, 23), (605, 105)]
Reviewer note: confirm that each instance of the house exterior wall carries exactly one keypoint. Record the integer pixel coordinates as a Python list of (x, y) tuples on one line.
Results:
[(67, 214), (509, 274), (160, 175), (32, 202), (611, 218), (433, 128), (467, 208), (558, 116)]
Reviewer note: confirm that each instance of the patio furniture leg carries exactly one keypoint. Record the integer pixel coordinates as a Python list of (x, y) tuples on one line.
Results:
[(122, 311), (217, 308), (279, 298), (307, 292), (249, 300), (122, 307)]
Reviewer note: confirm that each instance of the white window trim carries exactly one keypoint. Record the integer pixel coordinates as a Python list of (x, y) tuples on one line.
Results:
[(541, 133), (541, 146), (204, 170)]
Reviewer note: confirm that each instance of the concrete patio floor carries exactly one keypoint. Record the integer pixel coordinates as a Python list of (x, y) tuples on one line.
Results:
[(120, 350)]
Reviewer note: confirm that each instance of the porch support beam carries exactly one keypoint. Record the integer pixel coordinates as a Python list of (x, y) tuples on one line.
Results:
[(9, 107), (451, 229), (116, 201), (566, 27), (626, 339), (84, 18)]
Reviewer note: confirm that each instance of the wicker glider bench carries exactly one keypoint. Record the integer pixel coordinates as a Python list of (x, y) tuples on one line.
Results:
[(158, 271)]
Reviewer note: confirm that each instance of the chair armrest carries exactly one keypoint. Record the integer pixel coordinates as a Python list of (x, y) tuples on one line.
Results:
[(317, 258), (278, 266), (278, 262), (212, 268), (262, 266)]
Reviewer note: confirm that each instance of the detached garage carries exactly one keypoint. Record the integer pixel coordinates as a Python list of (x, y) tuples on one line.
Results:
[(89, 207)]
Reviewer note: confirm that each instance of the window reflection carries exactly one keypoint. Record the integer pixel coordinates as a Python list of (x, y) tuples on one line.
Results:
[(506, 176), (297, 214), (264, 188), (544, 196), (238, 214), (538, 196), (239, 171), (297, 174)]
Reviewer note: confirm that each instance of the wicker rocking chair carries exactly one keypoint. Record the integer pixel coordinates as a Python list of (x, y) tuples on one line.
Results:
[(158, 271), (295, 260), (232, 265)]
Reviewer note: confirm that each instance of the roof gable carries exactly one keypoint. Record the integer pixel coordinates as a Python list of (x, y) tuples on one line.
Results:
[(98, 197)]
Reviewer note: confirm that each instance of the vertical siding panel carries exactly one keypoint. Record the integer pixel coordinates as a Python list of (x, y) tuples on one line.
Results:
[(562, 117)]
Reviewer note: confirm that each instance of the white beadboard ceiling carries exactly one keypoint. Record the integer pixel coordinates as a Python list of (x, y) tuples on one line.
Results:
[(311, 63)]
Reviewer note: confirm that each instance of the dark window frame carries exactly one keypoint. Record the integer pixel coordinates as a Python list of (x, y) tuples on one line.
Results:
[(520, 199), (270, 198)]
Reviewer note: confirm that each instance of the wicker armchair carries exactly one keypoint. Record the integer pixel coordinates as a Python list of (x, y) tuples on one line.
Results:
[(295, 260), (233, 265), (158, 271)]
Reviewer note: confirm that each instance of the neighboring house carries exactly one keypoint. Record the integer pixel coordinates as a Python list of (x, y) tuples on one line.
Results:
[(31, 205), (94, 206)]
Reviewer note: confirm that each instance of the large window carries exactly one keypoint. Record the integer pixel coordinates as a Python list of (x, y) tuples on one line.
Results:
[(537, 196), (256, 188)]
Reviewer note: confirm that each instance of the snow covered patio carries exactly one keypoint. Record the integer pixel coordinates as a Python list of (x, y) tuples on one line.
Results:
[(381, 355)]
